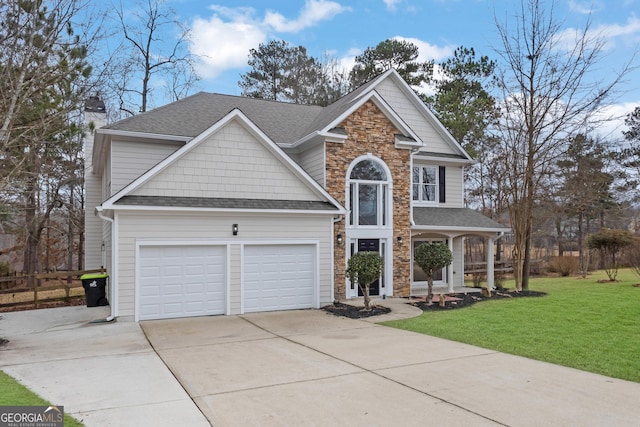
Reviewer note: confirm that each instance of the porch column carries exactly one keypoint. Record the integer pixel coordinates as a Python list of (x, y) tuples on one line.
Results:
[(490, 263), (450, 267)]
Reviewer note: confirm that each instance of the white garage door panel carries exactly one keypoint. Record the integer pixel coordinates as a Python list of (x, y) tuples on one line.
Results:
[(181, 281), (279, 277)]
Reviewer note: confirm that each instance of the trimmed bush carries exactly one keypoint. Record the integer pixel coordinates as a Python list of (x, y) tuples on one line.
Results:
[(564, 265)]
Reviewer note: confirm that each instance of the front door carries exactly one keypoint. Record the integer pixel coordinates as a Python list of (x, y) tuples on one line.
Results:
[(370, 245)]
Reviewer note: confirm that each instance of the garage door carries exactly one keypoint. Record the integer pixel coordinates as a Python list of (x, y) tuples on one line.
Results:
[(181, 281), (279, 277)]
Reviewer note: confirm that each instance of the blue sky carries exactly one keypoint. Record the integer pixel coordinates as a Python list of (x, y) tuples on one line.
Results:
[(223, 31)]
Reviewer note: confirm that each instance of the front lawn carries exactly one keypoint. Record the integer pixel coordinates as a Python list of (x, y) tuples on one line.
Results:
[(580, 323), (12, 393)]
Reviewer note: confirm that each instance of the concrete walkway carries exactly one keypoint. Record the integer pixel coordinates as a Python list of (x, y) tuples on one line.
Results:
[(302, 367)]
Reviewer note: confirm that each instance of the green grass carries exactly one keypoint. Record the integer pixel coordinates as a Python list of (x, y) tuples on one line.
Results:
[(12, 393), (581, 323)]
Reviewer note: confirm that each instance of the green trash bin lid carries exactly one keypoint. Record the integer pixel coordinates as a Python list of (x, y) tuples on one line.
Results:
[(94, 276)]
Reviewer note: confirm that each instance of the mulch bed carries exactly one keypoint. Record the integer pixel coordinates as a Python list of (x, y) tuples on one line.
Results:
[(454, 301), (355, 312)]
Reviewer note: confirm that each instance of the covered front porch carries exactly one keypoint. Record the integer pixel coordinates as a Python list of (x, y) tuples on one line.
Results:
[(451, 226)]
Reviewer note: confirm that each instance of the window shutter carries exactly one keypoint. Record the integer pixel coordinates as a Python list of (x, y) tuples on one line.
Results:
[(441, 184)]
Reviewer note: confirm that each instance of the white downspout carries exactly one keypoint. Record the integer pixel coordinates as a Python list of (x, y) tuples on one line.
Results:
[(333, 256), (106, 218), (414, 151)]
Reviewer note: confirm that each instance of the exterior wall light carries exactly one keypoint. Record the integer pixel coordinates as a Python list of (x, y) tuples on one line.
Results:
[(339, 239), (399, 240), (234, 229)]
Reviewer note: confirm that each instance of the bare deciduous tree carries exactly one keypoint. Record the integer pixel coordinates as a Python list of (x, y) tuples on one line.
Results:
[(551, 88), (145, 61)]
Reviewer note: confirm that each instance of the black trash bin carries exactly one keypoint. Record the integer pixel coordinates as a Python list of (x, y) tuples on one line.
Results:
[(94, 289)]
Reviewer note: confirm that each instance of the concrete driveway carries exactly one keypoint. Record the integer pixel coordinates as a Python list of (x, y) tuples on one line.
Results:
[(104, 374), (311, 368)]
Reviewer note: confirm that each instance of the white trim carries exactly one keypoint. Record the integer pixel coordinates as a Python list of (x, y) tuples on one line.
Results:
[(326, 134), (260, 136), (119, 207), (387, 239), (388, 203), (425, 203), (149, 135), (443, 160), (458, 229), (242, 278)]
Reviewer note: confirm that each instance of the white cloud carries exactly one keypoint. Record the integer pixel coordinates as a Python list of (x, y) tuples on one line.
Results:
[(313, 12), (347, 61), (223, 44), (567, 38), (426, 50), (584, 7), (611, 118), (632, 27), (222, 41), (391, 4)]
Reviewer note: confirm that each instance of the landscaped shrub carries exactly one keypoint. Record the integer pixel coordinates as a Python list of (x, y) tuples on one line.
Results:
[(632, 256), (365, 268), (431, 256), (609, 242), (477, 279), (564, 265), (5, 269)]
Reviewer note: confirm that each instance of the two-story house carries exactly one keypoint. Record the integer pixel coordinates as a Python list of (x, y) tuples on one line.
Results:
[(220, 204)]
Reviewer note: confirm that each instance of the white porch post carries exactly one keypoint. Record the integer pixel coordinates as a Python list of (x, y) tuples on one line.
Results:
[(450, 268), (490, 263)]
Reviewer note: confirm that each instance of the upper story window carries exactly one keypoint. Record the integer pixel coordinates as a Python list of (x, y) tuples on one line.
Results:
[(425, 184), (368, 185)]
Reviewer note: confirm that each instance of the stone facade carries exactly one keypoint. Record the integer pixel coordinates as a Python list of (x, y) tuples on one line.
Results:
[(369, 131)]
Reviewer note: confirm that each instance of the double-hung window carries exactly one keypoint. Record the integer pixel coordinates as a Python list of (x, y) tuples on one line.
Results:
[(425, 184)]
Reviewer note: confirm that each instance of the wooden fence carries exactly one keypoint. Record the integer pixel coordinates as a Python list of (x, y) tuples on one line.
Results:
[(44, 283)]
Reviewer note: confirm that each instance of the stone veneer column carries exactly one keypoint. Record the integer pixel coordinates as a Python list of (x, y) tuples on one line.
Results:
[(369, 131)]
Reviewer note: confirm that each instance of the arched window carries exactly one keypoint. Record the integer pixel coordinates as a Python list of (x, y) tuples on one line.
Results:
[(368, 194)]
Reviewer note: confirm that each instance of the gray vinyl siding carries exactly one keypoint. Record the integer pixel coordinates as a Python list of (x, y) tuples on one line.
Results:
[(231, 163), (132, 159), (313, 161), (454, 187), (416, 120), (215, 228), (93, 234)]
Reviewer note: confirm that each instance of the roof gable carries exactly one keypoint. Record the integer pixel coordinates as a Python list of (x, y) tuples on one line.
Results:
[(231, 159)]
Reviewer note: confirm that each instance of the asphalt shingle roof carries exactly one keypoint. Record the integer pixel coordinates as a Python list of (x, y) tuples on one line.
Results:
[(282, 122), (453, 217), (193, 115), (225, 203)]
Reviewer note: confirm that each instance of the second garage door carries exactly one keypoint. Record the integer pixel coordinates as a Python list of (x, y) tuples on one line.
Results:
[(279, 277)]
